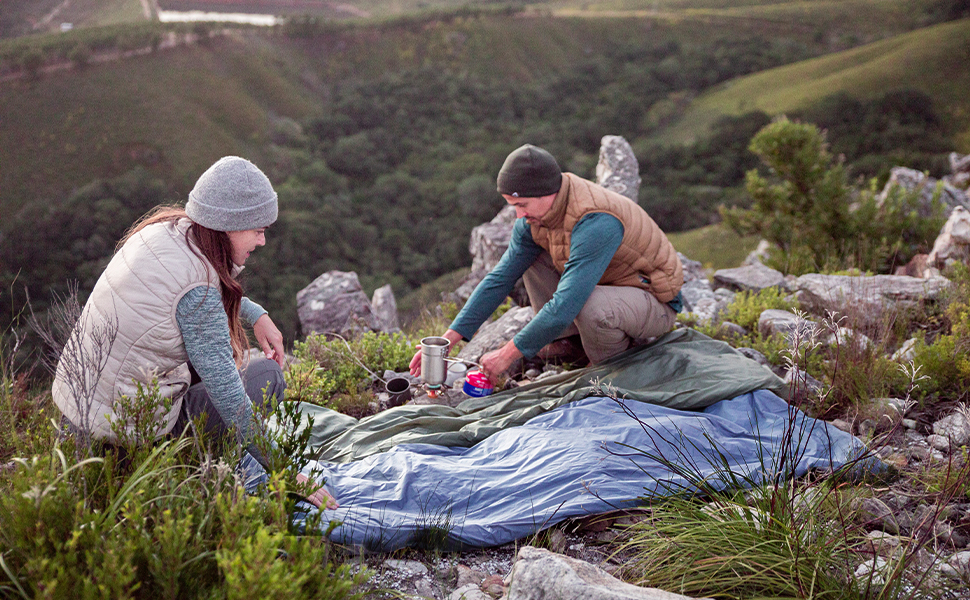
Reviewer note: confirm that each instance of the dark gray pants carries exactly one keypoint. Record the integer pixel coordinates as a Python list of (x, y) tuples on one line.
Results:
[(260, 374)]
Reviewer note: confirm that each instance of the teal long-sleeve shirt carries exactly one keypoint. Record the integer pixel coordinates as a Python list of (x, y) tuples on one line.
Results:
[(205, 332), (594, 241)]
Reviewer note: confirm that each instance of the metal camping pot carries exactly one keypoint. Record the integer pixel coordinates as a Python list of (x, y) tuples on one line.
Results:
[(433, 352)]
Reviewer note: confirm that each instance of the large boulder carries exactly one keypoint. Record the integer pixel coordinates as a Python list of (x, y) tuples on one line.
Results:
[(953, 243), (335, 303), (543, 575), (486, 244), (754, 277), (865, 299), (384, 306), (911, 180), (494, 335), (618, 169), (793, 327)]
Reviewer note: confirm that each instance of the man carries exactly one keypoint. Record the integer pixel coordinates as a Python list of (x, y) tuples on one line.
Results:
[(592, 261)]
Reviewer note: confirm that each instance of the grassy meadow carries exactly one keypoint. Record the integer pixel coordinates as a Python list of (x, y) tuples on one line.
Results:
[(928, 59)]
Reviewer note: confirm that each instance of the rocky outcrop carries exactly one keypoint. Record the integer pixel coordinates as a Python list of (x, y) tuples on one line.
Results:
[(618, 169), (542, 575), (754, 277), (953, 243), (494, 335), (487, 244), (385, 309), (335, 303), (909, 180), (865, 299)]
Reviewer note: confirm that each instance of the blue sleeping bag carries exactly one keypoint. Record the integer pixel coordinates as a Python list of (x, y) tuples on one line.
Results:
[(587, 457)]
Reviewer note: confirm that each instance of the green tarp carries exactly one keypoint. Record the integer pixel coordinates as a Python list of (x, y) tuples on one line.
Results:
[(683, 369)]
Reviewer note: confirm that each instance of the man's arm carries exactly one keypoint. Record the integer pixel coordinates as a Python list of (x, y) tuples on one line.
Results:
[(594, 241)]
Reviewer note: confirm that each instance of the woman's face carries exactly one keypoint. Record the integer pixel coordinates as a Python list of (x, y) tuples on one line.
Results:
[(244, 242)]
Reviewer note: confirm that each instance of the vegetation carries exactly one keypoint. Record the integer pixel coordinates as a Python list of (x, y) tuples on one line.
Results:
[(816, 220)]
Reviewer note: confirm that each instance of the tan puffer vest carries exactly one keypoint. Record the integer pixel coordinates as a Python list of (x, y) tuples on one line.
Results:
[(645, 258), (134, 302)]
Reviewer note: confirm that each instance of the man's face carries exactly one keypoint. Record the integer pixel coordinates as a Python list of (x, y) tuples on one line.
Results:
[(533, 209)]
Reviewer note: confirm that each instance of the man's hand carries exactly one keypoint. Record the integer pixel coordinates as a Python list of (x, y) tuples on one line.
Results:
[(270, 339), (453, 338), (497, 362), (319, 497)]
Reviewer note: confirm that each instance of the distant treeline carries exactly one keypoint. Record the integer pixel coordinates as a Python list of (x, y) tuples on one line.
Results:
[(391, 181)]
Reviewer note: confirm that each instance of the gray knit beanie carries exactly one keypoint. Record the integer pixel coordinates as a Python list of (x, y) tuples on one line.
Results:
[(529, 172), (232, 195)]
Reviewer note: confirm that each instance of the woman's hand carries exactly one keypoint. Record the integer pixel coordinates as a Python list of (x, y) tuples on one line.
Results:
[(319, 497), (270, 339)]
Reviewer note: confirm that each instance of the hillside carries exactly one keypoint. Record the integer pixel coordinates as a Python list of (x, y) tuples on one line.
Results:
[(931, 60)]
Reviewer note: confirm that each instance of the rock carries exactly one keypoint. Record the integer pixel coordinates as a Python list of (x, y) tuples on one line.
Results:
[(542, 575), (424, 588), (335, 303), (754, 277), (908, 180), (960, 562), (409, 566), (727, 328), (939, 442), (754, 355), (493, 586), (618, 169), (385, 309), (906, 352), (693, 270), (486, 244), (468, 575), (759, 255), (872, 573), (843, 337), (803, 383), (842, 424), (706, 304), (953, 243), (955, 428), (959, 163), (916, 267), (865, 299), (879, 515), (493, 335), (774, 321), (469, 592)]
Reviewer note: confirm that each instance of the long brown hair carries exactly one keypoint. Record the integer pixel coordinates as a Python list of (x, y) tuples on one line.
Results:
[(216, 248)]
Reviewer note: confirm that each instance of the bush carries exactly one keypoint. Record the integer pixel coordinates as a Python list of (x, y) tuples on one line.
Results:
[(945, 360), (346, 366), (816, 220)]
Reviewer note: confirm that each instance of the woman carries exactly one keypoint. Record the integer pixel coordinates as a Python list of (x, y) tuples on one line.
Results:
[(168, 304)]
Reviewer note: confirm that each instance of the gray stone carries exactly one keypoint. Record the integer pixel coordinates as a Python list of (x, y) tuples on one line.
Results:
[(960, 562), (754, 355), (385, 309), (492, 336), (844, 337), (959, 163), (872, 573), (470, 591), (408, 566), (542, 575), (842, 424), (865, 299), (953, 243), (467, 575), (905, 179), (906, 352), (878, 514), (754, 277), (696, 290), (803, 383), (693, 269), (486, 244), (727, 328), (708, 306), (335, 303), (618, 169), (954, 427), (774, 321), (759, 255)]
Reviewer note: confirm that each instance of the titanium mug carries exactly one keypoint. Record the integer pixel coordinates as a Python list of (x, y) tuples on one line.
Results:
[(433, 352)]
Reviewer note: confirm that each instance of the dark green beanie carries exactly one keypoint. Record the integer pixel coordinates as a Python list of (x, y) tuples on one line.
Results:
[(529, 172)]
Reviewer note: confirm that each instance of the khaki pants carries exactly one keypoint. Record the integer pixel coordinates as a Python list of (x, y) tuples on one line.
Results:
[(613, 319)]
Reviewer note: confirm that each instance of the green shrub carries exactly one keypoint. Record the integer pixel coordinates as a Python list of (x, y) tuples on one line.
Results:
[(945, 361), (346, 365), (748, 305)]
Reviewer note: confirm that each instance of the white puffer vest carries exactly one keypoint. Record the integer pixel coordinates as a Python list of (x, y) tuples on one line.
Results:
[(128, 334)]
